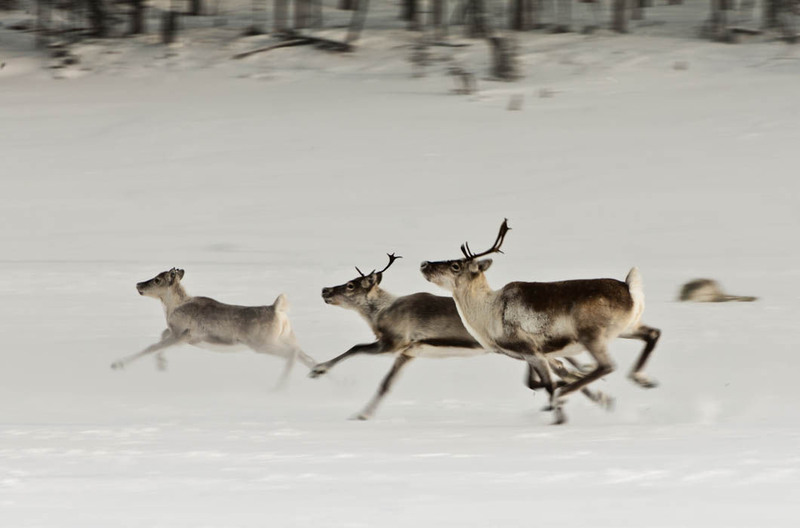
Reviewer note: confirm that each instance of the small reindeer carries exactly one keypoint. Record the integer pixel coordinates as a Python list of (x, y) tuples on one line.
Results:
[(417, 325), (708, 290), (207, 323), (537, 320)]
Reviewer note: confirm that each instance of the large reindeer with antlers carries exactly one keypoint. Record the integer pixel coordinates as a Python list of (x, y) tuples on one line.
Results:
[(417, 325), (538, 320)]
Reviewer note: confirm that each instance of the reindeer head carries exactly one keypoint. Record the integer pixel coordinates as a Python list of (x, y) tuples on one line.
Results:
[(451, 274), (159, 284), (354, 293)]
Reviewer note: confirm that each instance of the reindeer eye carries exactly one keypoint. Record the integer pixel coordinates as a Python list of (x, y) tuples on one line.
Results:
[(350, 286), (157, 281), (455, 266)]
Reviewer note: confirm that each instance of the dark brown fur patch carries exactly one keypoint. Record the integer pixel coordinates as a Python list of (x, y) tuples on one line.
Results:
[(560, 297), (525, 348)]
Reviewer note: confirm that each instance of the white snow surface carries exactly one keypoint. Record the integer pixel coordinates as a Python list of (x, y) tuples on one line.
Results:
[(283, 171)]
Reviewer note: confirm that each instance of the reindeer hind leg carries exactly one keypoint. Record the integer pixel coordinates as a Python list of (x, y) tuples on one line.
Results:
[(400, 361), (650, 337)]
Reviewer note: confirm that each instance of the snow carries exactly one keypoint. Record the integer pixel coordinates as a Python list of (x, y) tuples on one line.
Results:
[(280, 172)]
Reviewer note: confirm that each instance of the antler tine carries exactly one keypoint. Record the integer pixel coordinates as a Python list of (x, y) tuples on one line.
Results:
[(392, 258), (359, 272), (466, 251), (501, 235)]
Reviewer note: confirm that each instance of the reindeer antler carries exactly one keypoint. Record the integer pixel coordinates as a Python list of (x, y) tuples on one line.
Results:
[(392, 258), (495, 247)]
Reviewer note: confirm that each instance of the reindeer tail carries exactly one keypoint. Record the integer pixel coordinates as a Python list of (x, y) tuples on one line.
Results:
[(281, 304), (636, 289)]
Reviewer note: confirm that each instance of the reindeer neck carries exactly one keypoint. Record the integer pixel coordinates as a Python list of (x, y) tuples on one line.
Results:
[(473, 297), (376, 302), (174, 297)]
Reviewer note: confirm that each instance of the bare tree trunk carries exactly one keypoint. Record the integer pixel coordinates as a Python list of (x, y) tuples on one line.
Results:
[(169, 27), (357, 22), (637, 13), (316, 13), (43, 21), (620, 21), (281, 16), (719, 21), (258, 18), (348, 5), (410, 14), (8, 4), (563, 16), (531, 12), (301, 12), (517, 12), (195, 7), (98, 18), (770, 17), (476, 19), (138, 10), (438, 18), (504, 58)]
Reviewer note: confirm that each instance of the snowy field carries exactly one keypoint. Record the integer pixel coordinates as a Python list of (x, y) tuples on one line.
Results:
[(281, 172)]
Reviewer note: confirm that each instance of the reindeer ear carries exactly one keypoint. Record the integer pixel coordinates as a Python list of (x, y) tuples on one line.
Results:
[(180, 273), (378, 277), (479, 266)]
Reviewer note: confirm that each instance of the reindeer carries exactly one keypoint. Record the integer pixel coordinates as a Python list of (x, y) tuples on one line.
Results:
[(411, 326), (207, 323), (538, 320), (709, 290)]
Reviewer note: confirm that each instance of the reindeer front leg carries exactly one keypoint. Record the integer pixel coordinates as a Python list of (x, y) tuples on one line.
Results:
[(378, 347), (168, 341)]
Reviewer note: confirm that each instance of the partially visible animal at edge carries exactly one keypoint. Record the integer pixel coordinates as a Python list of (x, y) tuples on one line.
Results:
[(709, 290), (538, 320), (206, 323), (411, 326)]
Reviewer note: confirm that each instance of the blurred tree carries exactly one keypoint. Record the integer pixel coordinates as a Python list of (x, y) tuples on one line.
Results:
[(169, 26), (475, 19), (281, 17), (619, 22), (410, 13), (438, 20), (302, 12), (137, 20), (357, 21), (520, 12), (195, 7), (98, 18)]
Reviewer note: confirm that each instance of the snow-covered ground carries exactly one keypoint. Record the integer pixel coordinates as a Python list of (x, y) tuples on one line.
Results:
[(281, 172)]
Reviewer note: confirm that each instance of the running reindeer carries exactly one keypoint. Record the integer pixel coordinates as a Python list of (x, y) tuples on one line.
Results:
[(535, 321), (207, 323), (416, 325)]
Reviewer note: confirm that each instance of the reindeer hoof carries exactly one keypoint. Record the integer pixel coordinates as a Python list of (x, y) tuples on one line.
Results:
[(559, 417), (117, 365), (643, 381), (317, 371), (605, 401), (361, 417)]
